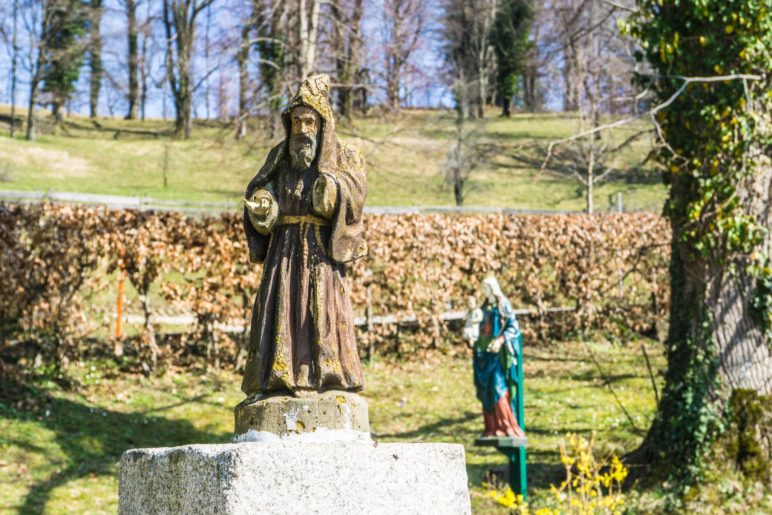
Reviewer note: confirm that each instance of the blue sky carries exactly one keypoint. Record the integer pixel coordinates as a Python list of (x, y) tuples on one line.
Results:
[(426, 87)]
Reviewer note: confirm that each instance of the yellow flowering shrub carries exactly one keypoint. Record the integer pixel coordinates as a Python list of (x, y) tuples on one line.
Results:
[(592, 485)]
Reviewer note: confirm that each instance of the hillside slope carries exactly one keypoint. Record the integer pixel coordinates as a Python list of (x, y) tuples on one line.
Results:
[(407, 156)]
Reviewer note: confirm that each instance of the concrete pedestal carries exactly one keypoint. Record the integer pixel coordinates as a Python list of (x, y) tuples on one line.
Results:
[(293, 477), (302, 415)]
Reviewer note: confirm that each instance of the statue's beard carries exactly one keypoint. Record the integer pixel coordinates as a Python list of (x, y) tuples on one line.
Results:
[(302, 151)]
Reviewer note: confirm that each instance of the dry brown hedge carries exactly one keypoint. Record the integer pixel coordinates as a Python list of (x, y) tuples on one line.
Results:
[(611, 268)]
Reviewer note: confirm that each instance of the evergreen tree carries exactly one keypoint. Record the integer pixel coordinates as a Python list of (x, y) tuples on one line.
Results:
[(64, 51), (510, 42)]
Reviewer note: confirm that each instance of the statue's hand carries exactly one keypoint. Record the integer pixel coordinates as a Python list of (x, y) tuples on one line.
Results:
[(496, 344), (263, 211), (325, 195), (258, 207)]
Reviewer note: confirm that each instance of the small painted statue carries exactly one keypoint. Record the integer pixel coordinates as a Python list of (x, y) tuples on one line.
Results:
[(495, 356)]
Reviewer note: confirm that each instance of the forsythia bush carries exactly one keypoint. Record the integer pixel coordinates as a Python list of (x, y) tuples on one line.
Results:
[(591, 486), (609, 271)]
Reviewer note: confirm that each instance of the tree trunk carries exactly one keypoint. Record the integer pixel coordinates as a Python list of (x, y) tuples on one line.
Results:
[(242, 58), (590, 181), (57, 111), (458, 164), (207, 43), (529, 89), (392, 86), (482, 87), (354, 57), (14, 62), (505, 103), (95, 61), (717, 353), (180, 26), (271, 27), (35, 84), (133, 36), (143, 79), (308, 27), (346, 44), (570, 87), (149, 330)]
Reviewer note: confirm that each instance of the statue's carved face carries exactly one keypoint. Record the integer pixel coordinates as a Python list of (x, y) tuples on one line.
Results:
[(303, 137)]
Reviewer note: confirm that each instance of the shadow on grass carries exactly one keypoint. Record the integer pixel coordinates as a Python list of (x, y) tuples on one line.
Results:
[(565, 161), (543, 467), (449, 428), (93, 439)]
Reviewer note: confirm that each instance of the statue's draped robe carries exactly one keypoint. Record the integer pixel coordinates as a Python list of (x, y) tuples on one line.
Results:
[(302, 333)]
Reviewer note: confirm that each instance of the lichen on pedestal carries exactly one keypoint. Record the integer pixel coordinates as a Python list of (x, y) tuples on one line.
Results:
[(303, 414)]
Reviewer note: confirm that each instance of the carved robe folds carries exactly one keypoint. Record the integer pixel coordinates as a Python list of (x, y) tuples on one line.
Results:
[(302, 333)]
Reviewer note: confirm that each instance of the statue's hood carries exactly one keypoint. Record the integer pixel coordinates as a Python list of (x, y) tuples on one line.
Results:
[(313, 93)]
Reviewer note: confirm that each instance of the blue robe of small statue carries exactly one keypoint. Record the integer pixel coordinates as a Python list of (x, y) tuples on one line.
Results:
[(495, 375)]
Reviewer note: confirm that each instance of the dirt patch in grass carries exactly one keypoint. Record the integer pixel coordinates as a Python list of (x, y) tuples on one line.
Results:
[(57, 164)]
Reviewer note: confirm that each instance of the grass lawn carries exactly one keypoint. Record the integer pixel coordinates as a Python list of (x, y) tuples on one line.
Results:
[(407, 155), (59, 449)]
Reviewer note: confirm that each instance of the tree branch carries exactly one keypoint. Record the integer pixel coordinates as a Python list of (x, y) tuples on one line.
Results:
[(650, 113)]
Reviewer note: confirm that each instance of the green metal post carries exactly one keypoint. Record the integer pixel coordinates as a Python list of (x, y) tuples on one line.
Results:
[(518, 479)]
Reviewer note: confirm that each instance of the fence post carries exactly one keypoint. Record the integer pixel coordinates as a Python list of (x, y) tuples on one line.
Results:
[(620, 273), (369, 326), (121, 279), (166, 166)]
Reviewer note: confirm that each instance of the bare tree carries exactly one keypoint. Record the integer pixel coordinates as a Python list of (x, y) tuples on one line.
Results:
[(132, 33), (307, 29), (34, 24), (207, 52), (11, 38), (242, 59), (595, 62), (272, 23), (346, 47), (146, 31), (469, 54), (533, 97), (179, 20), (404, 23)]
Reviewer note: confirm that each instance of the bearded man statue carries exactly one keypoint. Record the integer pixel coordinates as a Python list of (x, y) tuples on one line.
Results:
[(303, 222)]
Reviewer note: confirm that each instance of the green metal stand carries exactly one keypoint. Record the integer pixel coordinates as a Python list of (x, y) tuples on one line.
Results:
[(514, 448)]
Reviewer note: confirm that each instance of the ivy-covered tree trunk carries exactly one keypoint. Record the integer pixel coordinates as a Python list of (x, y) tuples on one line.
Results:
[(716, 155), (715, 348)]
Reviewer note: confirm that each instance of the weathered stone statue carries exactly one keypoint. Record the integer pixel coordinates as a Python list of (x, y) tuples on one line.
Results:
[(303, 221), (302, 435)]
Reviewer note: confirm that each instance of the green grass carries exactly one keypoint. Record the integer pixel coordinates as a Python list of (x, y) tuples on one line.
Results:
[(406, 154), (59, 449)]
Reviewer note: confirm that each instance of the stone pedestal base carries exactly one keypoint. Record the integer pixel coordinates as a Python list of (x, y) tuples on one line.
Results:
[(292, 477), (344, 413)]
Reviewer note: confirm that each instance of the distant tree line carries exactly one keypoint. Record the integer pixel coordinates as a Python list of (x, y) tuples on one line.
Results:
[(232, 59)]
